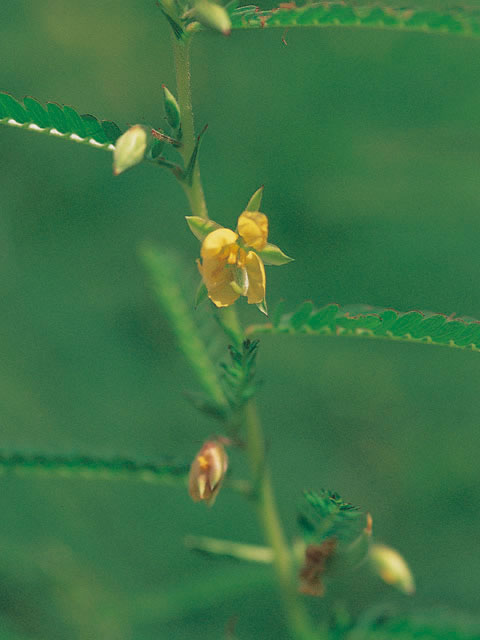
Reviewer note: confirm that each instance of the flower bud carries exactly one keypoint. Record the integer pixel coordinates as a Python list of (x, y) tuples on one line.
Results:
[(213, 16), (171, 108), (207, 472), (392, 568), (129, 149)]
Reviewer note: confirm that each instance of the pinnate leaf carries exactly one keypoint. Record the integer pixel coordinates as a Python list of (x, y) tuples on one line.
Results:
[(63, 122), (374, 322), (48, 464), (424, 16)]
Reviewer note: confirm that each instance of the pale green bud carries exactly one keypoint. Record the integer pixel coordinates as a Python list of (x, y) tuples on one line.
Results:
[(171, 108), (391, 567), (129, 149), (213, 16)]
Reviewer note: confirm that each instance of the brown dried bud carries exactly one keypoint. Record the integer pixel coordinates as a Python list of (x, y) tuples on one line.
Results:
[(316, 556)]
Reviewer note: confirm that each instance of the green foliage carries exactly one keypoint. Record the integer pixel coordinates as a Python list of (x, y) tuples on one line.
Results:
[(436, 20), (55, 120), (238, 378), (323, 515), (438, 625), (92, 467), (375, 322), (163, 269)]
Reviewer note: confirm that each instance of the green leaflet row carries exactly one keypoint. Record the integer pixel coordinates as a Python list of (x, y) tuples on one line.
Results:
[(165, 472), (449, 20), (372, 322), (55, 120)]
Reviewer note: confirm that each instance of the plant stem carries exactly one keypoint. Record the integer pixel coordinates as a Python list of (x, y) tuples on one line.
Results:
[(297, 615), (194, 192)]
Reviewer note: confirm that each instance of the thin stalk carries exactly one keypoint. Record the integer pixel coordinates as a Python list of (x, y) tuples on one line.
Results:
[(297, 615), (268, 516), (194, 192)]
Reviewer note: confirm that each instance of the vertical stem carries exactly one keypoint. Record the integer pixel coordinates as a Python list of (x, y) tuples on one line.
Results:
[(297, 615), (268, 516), (194, 192)]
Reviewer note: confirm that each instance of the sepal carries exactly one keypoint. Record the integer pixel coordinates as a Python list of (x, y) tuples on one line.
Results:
[(255, 201), (201, 227), (172, 109), (262, 306), (273, 255), (201, 295)]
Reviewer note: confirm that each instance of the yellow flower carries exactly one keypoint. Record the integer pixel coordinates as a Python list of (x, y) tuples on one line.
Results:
[(232, 262), (207, 472), (230, 268)]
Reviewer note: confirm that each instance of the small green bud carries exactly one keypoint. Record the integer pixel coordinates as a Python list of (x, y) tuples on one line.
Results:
[(391, 567), (171, 108), (213, 16), (129, 149)]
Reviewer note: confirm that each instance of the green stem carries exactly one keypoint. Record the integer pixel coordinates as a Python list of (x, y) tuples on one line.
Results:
[(194, 192), (297, 615)]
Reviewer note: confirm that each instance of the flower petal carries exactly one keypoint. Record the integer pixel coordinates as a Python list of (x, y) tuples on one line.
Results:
[(217, 241), (253, 229), (256, 278), (218, 276)]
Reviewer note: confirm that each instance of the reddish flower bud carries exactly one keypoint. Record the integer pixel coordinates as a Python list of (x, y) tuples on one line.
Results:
[(207, 472)]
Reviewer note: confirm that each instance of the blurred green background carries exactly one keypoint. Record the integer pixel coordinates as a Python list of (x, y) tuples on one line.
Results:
[(369, 146)]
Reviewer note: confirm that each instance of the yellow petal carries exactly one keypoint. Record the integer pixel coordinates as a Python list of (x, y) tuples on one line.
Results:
[(256, 278), (218, 276), (217, 241), (253, 229)]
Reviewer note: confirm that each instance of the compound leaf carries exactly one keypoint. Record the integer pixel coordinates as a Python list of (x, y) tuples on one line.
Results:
[(422, 15), (376, 322), (55, 120)]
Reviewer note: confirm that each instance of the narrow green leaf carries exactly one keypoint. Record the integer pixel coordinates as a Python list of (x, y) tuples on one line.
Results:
[(301, 316), (414, 326), (262, 306), (111, 130), (36, 112), (188, 173), (201, 294), (74, 121), (57, 118), (93, 128), (255, 201), (12, 109)]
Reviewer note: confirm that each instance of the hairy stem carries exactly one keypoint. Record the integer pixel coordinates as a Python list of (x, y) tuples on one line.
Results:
[(194, 192), (297, 615)]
